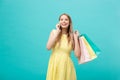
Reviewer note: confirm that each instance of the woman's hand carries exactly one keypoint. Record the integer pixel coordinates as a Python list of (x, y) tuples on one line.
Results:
[(58, 28), (76, 34)]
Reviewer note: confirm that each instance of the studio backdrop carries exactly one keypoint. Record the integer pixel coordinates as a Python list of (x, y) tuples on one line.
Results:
[(25, 26)]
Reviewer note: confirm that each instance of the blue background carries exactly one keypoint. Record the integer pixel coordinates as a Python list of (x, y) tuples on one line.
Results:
[(24, 30)]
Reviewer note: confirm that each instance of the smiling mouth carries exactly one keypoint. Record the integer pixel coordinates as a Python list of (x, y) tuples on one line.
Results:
[(64, 24)]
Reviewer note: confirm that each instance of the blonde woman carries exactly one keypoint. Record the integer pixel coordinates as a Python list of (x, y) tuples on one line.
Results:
[(62, 41)]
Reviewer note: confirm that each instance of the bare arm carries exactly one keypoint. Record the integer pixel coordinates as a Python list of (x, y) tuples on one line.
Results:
[(52, 38), (76, 45)]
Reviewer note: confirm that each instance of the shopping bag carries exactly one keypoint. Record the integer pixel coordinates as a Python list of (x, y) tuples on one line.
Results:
[(87, 52), (84, 56), (94, 47)]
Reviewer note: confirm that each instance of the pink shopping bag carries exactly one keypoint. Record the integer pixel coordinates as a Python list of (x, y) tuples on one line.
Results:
[(87, 53)]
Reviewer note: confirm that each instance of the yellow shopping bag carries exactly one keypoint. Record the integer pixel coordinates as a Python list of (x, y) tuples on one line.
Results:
[(87, 53)]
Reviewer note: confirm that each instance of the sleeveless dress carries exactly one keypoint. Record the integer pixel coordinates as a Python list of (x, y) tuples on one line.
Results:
[(60, 66)]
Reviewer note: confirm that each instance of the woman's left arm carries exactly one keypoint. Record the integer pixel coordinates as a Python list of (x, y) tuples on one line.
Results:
[(76, 44)]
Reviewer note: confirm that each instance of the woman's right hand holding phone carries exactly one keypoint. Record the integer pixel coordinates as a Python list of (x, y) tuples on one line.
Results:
[(58, 30), (53, 37)]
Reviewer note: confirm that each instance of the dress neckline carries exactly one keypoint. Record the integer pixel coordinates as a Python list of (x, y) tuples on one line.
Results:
[(64, 35)]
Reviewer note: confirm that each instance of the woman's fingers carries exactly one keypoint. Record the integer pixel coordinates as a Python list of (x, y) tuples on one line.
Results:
[(76, 33), (57, 26)]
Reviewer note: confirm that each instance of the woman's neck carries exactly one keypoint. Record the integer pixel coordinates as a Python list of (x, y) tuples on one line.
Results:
[(64, 31)]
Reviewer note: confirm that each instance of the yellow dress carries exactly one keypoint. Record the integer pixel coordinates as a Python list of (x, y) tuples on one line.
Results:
[(60, 66)]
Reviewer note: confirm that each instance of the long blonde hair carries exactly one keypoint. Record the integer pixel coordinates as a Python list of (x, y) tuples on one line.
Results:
[(69, 31)]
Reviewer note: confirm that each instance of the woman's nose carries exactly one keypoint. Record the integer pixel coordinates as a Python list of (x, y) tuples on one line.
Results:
[(63, 20)]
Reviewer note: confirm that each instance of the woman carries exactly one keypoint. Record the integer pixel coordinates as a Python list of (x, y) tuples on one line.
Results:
[(62, 41)]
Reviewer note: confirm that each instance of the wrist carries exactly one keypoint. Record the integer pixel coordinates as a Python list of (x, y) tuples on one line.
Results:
[(76, 37)]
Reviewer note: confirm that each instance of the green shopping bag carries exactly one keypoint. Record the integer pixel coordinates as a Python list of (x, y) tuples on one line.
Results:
[(94, 47)]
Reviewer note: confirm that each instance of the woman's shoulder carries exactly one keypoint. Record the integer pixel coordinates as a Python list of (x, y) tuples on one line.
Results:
[(53, 31)]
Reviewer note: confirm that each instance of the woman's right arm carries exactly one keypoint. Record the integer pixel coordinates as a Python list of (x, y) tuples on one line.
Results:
[(52, 39)]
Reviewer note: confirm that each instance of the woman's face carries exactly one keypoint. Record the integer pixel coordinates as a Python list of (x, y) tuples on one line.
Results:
[(64, 21)]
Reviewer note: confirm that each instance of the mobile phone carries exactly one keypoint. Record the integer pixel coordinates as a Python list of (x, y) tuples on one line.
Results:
[(60, 28)]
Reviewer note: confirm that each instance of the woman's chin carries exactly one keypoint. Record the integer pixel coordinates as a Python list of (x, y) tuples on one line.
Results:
[(64, 27)]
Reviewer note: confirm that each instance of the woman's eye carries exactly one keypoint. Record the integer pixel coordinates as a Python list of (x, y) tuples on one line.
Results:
[(66, 19), (61, 19)]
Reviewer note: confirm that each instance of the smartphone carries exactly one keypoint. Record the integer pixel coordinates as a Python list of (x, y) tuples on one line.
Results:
[(60, 27)]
